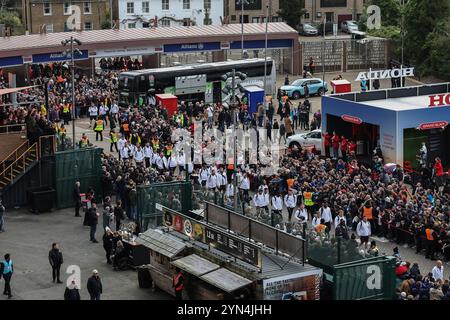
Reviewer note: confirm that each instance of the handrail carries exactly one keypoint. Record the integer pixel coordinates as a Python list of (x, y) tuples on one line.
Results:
[(14, 152), (23, 128), (22, 158)]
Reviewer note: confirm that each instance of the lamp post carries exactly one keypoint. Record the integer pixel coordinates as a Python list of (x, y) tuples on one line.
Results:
[(265, 50), (402, 35), (71, 52)]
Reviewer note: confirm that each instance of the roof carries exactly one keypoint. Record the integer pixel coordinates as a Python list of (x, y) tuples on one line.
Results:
[(160, 242), (119, 37), (401, 104), (225, 280), (195, 265), (12, 90)]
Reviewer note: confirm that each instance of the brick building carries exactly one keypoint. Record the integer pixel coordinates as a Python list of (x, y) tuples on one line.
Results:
[(56, 16)]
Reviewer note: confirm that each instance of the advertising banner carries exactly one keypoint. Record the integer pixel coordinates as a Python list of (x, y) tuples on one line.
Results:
[(300, 286)]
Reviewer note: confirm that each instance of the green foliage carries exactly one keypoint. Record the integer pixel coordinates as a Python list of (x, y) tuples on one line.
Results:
[(291, 11), (437, 61), (390, 11), (10, 19), (106, 24)]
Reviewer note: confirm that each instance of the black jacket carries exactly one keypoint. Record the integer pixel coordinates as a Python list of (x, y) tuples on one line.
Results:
[(93, 219), (72, 294), (55, 257), (94, 285), (76, 195)]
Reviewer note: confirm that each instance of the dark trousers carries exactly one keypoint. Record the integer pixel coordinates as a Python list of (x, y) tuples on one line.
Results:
[(77, 209), (328, 229), (95, 296), (92, 231), (113, 145), (290, 211), (98, 133), (431, 248), (327, 151), (179, 295), (118, 223), (7, 289), (108, 255), (55, 272)]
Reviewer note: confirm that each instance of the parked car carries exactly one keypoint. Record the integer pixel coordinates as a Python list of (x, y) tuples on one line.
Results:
[(307, 29), (297, 88), (305, 140), (348, 26), (328, 28), (359, 36)]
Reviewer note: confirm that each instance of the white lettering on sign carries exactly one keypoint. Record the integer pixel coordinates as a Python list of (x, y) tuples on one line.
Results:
[(374, 279), (437, 100), (385, 74), (199, 46)]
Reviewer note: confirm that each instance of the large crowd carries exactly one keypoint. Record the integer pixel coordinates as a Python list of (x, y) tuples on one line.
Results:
[(332, 197)]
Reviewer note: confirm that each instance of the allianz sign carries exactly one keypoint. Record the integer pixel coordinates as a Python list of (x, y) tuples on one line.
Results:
[(385, 74)]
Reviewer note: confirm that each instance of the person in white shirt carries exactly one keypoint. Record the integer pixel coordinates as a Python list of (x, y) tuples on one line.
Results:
[(211, 183), (139, 156), (277, 205), (230, 191), (172, 164), (290, 201), (155, 159), (148, 154), (325, 214), (301, 212), (93, 113), (103, 111), (340, 217), (438, 271), (315, 221), (160, 163), (115, 111), (244, 186), (181, 160), (121, 144), (222, 180), (125, 151), (210, 111), (259, 200), (204, 174), (363, 231), (165, 162)]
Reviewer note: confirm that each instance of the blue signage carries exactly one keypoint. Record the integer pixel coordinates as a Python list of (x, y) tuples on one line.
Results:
[(192, 47), (11, 61), (261, 44), (58, 56)]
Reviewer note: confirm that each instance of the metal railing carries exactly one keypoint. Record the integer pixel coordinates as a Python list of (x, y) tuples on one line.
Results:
[(14, 155), (19, 165), (13, 128)]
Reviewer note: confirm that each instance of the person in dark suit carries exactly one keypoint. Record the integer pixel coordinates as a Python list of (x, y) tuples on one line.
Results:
[(55, 258), (93, 221), (72, 292), (77, 198), (94, 286)]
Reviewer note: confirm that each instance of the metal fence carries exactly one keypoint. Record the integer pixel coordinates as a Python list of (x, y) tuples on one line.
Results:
[(173, 195), (82, 165), (328, 53), (369, 54)]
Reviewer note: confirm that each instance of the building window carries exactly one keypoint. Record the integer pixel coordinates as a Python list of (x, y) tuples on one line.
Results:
[(186, 4), (233, 17), (47, 9), (66, 27), (145, 7), (207, 4), (87, 7), (67, 8), (333, 3), (255, 19), (88, 26), (49, 28), (306, 15), (145, 25), (165, 4), (132, 25), (130, 7), (165, 23)]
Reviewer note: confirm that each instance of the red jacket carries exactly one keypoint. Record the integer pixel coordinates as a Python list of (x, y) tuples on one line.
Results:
[(335, 141), (344, 144), (326, 139), (352, 147), (439, 169)]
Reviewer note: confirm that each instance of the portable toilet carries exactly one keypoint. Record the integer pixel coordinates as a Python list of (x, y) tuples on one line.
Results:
[(255, 96)]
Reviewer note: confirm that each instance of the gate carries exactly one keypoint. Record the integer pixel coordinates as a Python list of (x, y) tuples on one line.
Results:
[(367, 54), (82, 165), (323, 52), (173, 195)]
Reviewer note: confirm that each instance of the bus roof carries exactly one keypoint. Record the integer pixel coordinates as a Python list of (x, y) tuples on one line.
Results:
[(207, 65)]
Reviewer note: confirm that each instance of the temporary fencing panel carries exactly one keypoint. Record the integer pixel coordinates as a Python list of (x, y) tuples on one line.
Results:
[(173, 195), (82, 165), (372, 278)]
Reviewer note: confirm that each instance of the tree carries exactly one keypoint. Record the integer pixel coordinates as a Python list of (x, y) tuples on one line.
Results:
[(437, 45), (106, 24), (291, 11), (390, 11), (10, 19)]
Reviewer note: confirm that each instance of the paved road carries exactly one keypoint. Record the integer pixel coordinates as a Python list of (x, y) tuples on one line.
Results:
[(28, 239)]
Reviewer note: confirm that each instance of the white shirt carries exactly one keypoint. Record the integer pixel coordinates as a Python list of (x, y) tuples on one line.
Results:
[(148, 152), (125, 152), (93, 111), (160, 163), (338, 219), (245, 184), (277, 203), (315, 222), (103, 110), (290, 200), (121, 143), (222, 179), (230, 190), (211, 183), (325, 214), (139, 155), (259, 200), (204, 174), (114, 108), (172, 162), (181, 159), (210, 112), (363, 229), (155, 158), (438, 274), (165, 162), (301, 213), (266, 199)]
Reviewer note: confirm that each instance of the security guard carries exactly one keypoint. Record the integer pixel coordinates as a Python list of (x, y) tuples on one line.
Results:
[(98, 129), (177, 283), (66, 113), (308, 202), (62, 132), (84, 142), (113, 139), (7, 270), (432, 238)]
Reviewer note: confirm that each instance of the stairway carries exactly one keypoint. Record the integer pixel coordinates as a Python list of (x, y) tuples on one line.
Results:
[(16, 166)]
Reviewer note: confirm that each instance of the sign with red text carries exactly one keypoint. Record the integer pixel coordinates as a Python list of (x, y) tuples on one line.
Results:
[(438, 100), (433, 125), (351, 119)]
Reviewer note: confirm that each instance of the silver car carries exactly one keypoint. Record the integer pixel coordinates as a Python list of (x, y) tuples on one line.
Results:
[(348, 26)]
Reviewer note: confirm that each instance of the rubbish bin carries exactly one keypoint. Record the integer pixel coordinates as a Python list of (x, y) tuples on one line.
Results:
[(144, 277), (41, 199)]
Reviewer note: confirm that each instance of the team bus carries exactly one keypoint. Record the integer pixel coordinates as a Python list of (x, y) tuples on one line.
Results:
[(192, 82)]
